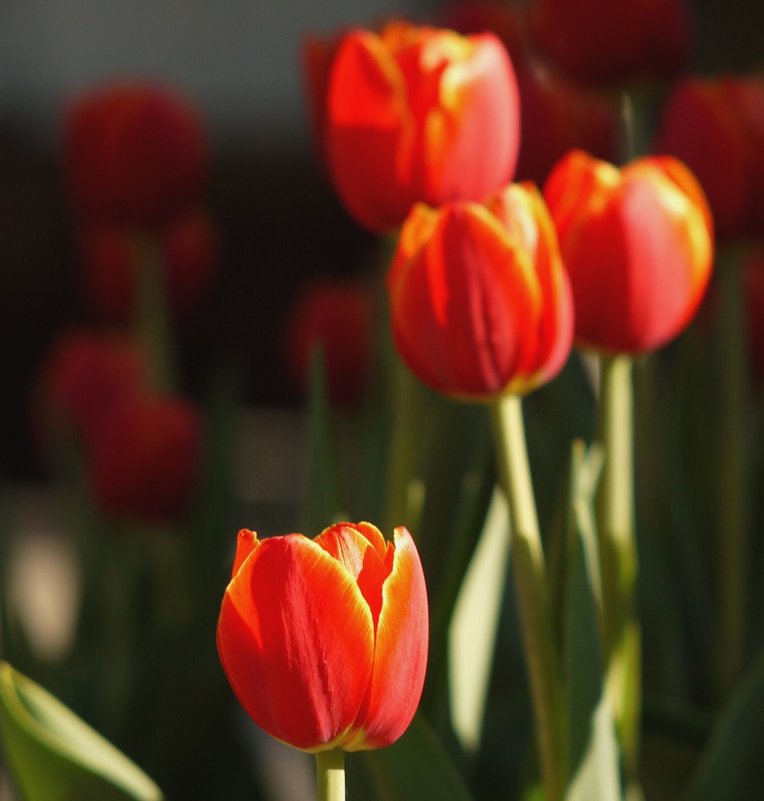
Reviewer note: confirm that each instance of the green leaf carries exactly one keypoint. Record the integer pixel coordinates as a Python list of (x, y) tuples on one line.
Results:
[(416, 768), (593, 756), (732, 765), (472, 634), (56, 756)]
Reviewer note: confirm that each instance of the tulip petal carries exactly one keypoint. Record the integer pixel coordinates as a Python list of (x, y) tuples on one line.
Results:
[(522, 210), (362, 550), (468, 113), (465, 305), (246, 542), (296, 640), (367, 119), (400, 654)]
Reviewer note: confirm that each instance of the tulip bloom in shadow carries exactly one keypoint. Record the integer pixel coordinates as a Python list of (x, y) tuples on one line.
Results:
[(418, 115), (324, 641)]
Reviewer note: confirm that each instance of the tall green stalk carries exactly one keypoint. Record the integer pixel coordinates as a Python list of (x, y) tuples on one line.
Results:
[(618, 553), (152, 323), (531, 587)]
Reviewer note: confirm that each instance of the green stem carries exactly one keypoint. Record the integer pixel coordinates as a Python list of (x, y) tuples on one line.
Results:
[(403, 507), (618, 553), (330, 775), (732, 523), (151, 318), (529, 575)]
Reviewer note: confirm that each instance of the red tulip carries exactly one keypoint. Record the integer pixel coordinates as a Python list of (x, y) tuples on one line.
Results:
[(637, 244), (480, 303), (85, 374), (135, 153), (143, 458), (418, 114), (324, 641), (188, 253), (704, 118), (338, 316), (605, 41)]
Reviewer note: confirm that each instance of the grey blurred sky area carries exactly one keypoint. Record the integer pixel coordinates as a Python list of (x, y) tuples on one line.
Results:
[(238, 60)]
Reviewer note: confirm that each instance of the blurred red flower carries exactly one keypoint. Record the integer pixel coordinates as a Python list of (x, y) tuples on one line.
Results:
[(143, 458), (338, 316), (189, 256), (612, 41), (716, 126), (82, 376), (134, 154)]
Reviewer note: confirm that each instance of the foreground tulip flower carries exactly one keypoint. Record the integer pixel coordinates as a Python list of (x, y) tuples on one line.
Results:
[(135, 153), (324, 641), (418, 115), (637, 245), (479, 299)]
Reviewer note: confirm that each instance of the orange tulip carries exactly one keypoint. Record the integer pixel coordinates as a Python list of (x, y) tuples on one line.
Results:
[(637, 244), (418, 114), (324, 641), (480, 303)]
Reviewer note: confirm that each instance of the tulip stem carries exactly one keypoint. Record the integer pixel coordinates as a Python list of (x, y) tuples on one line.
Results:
[(151, 317), (330, 775), (732, 525), (618, 553), (529, 576)]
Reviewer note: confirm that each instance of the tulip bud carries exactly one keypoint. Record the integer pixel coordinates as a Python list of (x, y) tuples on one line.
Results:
[(143, 458), (480, 303), (135, 153), (324, 641), (338, 317), (418, 115), (637, 245), (188, 253)]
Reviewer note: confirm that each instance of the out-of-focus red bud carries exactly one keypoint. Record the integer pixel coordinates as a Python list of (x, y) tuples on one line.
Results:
[(612, 41), (188, 252), (135, 153), (144, 458), (338, 316)]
